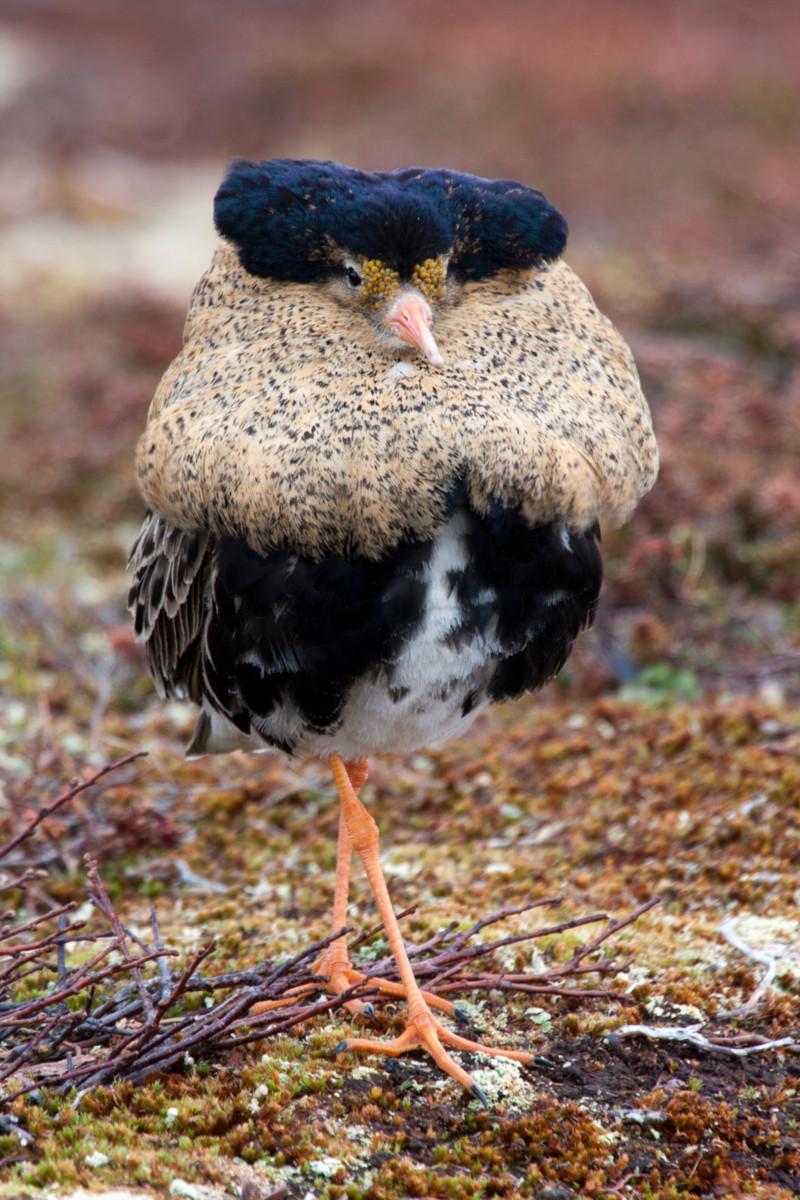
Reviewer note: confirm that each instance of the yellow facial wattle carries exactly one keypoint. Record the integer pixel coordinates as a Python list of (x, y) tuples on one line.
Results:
[(430, 277), (378, 281)]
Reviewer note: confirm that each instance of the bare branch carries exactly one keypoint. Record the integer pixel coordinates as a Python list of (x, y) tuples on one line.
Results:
[(64, 798)]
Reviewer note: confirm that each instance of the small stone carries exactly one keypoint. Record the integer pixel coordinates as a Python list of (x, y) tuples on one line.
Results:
[(260, 1093), (96, 1159), (179, 1187)]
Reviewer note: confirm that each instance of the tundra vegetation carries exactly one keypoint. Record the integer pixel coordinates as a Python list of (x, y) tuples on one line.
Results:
[(142, 912)]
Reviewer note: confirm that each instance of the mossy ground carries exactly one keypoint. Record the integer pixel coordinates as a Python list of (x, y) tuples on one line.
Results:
[(603, 802), (665, 761)]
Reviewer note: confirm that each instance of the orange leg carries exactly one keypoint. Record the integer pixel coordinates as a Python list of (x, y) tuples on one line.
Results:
[(334, 962), (423, 1030)]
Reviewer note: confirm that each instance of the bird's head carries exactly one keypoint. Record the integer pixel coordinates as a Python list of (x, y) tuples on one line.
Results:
[(394, 247)]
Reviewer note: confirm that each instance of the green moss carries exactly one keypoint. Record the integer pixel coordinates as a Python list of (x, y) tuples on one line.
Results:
[(660, 793)]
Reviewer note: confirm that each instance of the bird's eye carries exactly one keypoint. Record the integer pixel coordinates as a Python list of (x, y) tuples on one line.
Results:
[(353, 277)]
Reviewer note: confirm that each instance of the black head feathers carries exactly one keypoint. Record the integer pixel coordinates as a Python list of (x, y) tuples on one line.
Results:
[(294, 219)]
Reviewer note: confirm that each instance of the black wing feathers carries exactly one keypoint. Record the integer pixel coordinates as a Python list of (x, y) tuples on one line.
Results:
[(168, 599), (274, 642), (289, 630), (537, 584)]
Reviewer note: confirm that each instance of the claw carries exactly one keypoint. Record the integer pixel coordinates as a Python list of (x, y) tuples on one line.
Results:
[(460, 1014), (480, 1095), (368, 1010), (339, 1047)]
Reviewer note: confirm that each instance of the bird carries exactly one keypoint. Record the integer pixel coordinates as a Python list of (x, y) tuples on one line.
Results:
[(375, 478)]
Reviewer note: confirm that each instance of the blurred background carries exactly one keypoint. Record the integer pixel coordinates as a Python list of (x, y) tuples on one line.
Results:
[(668, 134)]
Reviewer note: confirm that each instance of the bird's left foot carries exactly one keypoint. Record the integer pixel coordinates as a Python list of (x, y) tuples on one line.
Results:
[(425, 1032), (340, 975)]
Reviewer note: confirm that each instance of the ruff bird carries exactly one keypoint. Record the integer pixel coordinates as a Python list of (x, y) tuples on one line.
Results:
[(375, 477)]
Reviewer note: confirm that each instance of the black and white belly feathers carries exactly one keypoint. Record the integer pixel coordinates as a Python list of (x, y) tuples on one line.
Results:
[(357, 656)]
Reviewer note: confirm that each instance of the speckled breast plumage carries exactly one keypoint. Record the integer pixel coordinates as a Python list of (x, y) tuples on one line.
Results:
[(283, 422)]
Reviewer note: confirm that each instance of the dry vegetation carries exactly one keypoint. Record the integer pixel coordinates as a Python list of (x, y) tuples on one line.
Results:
[(664, 764)]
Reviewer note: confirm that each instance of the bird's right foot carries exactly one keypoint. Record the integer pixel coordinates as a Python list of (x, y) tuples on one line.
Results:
[(424, 1032)]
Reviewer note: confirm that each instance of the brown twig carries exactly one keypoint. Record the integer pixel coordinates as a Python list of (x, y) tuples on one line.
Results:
[(63, 799), (128, 1019), (102, 900)]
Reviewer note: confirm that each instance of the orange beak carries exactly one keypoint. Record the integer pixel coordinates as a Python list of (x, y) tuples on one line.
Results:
[(409, 319)]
